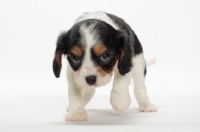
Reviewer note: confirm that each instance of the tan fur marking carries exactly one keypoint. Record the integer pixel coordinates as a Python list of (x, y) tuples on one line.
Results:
[(102, 72), (78, 51), (99, 49), (59, 58)]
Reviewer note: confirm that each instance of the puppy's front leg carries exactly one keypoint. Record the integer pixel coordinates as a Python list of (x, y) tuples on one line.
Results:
[(76, 108), (120, 97)]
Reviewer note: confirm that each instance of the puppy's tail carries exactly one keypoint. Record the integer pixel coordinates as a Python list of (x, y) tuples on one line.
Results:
[(151, 61)]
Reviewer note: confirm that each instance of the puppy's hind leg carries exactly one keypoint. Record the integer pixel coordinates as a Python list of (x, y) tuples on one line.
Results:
[(138, 73), (87, 95)]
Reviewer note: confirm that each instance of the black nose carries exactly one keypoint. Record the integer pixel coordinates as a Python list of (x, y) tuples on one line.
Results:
[(90, 80)]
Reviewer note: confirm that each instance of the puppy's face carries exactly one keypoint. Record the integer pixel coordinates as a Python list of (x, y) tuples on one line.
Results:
[(92, 65), (92, 48)]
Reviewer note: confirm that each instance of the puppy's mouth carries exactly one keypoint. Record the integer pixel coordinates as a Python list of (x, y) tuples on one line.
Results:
[(92, 86)]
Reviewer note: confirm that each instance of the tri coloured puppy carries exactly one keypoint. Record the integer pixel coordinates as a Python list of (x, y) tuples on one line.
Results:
[(98, 45)]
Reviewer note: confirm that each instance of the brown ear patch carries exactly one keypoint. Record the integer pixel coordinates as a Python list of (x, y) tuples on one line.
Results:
[(59, 59), (57, 63), (99, 49), (78, 51)]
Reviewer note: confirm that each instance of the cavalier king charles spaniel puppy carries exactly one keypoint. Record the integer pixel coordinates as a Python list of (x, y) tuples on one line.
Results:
[(98, 46)]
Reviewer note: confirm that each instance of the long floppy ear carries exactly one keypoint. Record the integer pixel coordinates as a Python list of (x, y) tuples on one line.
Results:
[(60, 49), (125, 53)]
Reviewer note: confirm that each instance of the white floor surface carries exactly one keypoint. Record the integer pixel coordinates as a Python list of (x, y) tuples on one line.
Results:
[(46, 113)]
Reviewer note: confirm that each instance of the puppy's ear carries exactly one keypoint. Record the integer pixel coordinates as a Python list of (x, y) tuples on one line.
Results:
[(125, 53), (60, 50)]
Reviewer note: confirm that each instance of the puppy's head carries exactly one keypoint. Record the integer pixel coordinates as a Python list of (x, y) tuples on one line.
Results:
[(92, 48)]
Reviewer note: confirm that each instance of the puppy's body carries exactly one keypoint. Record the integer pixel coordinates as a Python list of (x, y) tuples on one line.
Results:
[(98, 45)]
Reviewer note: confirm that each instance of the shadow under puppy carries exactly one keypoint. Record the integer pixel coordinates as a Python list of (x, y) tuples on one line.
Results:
[(98, 45)]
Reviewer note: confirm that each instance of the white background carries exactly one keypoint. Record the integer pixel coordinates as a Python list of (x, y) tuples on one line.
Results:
[(167, 29)]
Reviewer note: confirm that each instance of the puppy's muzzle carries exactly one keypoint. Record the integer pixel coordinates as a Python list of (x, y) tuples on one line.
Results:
[(91, 79)]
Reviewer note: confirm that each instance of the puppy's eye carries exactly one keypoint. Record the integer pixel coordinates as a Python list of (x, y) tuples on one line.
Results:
[(105, 57), (76, 59)]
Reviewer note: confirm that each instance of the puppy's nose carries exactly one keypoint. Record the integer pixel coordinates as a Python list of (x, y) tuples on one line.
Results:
[(90, 80)]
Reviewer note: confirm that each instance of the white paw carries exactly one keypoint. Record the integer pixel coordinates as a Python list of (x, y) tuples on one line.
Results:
[(120, 102), (77, 115), (148, 108)]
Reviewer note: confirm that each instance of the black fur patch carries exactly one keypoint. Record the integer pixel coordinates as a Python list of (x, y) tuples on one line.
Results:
[(130, 45), (121, 44), (132, 39), (65, 42)]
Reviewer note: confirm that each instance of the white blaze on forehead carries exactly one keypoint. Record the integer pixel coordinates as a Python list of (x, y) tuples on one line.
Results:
[(98, 16), (88, 39), (88, 35)]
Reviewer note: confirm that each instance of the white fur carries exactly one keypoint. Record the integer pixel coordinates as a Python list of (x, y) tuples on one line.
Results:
[(120, 98), (151, 61), (80, 92), (140, 92), (87, 67), (99, 16), (76, 108)]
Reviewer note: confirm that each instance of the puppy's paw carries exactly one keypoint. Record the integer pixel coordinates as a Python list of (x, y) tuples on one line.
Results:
[(148, 108), (77, 116), (120, 102)]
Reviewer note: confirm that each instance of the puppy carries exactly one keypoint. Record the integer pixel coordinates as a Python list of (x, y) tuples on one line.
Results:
[(97, 46)]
